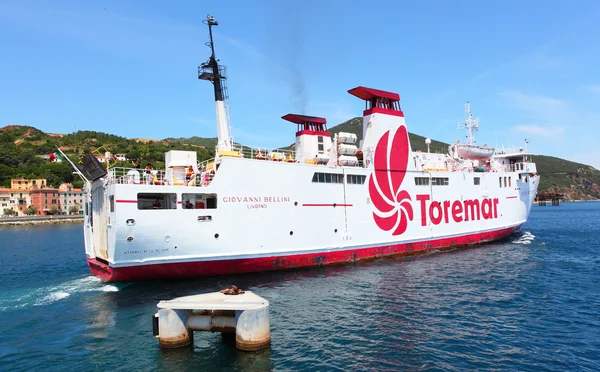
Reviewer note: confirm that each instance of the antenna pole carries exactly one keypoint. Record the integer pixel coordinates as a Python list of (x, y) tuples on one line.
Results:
[(470, 124), (212, 61)]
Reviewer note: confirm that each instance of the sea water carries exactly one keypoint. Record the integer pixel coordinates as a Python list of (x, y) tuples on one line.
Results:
[(530, 302)]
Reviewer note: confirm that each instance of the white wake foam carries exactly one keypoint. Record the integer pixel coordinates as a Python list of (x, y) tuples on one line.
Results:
[(525, 238), (109, 288), (52, 297), (50, 294)]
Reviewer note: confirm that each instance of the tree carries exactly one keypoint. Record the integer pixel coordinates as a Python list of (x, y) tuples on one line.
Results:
[(73, 210), (77, 183), (31, 210), (8, 212), (53, 210)]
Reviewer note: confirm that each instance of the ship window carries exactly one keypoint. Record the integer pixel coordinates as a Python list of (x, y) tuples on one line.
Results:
[(112, 203), (320, 139), (500, 181), (504, 181), (198, 201), (476, 181), (355, 179), (439, 181), (156, 201), (422, 181), (319, 177), (509, 181)]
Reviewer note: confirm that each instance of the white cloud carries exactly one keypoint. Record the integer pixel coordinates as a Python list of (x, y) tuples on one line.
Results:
[(539, 110), (542, 131), (532, 102)]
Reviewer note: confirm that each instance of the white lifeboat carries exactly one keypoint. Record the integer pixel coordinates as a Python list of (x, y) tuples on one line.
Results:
[(322, 159), (474, 152), (344, 149), (345, 137), (348, 161)]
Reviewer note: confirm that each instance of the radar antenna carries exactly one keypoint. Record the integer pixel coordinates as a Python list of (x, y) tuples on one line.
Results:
[(470, 124)]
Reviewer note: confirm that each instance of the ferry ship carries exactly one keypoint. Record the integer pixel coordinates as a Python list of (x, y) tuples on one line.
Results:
[(332, 199)]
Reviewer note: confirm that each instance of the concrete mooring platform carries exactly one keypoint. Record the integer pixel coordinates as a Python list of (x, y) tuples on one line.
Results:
[(246, 315)]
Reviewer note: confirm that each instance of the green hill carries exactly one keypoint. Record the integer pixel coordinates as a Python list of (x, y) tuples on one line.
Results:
[(196, 141)]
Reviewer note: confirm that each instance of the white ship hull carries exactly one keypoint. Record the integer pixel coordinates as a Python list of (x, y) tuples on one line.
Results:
[(270, 215)]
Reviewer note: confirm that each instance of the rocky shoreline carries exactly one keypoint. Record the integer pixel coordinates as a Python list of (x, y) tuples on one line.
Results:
[(39, 220)]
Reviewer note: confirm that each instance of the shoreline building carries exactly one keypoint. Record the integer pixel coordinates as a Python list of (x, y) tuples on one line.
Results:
[(70, 197), (44, 199)]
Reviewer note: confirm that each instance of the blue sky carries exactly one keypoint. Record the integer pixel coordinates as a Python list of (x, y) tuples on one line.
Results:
[(529, 68)]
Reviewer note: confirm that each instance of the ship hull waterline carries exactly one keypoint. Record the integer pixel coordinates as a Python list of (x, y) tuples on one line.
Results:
[(195, 269)]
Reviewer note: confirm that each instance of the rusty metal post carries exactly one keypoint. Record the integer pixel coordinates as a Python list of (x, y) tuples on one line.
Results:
[(253, 329), (172, 329)]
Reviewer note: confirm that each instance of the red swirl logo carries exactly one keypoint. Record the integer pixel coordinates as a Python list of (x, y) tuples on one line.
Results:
[(393, 207)]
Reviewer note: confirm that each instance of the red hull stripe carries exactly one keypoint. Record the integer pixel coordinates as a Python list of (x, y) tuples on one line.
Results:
[(256, 264), (126, 201), (327, 205), (511, 197)]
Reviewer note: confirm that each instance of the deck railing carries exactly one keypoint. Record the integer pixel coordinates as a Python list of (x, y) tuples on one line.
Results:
[(157, 177), (520, 167), (261, 153)]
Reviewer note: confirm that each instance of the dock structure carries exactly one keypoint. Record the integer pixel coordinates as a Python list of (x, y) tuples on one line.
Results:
[(554, 197), (245, 314)]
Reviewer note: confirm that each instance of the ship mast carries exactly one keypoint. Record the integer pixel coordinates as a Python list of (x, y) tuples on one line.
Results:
[(217, 75), (471, 124)]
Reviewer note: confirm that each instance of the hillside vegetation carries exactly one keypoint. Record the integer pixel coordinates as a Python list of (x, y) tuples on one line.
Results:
[(20, 146)]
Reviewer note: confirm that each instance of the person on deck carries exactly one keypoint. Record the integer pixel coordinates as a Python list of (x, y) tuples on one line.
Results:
[(156, 204), (148, 174), (189, 174)]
